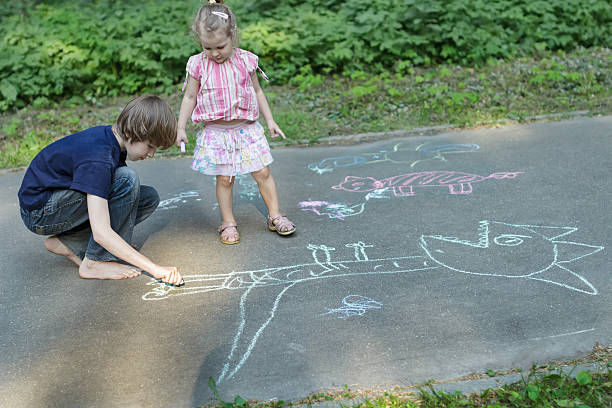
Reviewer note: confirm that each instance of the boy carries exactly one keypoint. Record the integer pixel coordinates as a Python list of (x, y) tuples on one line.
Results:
[(80, 191)]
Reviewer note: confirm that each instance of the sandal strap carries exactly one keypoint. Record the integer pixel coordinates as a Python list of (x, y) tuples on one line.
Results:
[(226, 225), (275, 217), (283, 221)]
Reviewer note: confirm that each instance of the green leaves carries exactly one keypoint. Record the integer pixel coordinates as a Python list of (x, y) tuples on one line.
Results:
[(100, 48), (8, 90), (583, 378), (533, 392), (238, 402), (539, 389), (361, 91), (57, 50)]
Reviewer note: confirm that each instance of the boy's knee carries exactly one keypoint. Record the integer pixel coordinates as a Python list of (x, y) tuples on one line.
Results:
[(126, 177), (126, 172), (149, 196)]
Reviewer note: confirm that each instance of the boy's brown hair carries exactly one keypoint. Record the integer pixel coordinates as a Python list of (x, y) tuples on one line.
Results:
[(147, 118)]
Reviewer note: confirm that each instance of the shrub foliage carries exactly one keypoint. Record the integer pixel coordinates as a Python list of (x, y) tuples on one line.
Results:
[(83, 49)]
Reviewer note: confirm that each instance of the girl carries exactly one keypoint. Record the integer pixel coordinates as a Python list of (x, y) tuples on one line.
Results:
[(224, 93)]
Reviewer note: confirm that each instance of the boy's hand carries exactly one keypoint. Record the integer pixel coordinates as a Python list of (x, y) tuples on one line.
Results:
[(275, 130), (181, 136), (168, 274)]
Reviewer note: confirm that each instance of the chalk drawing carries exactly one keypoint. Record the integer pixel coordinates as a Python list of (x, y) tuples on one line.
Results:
[(512, 251), (175, 201), (378, 193), (252, 321), (332, 210), (563, 334), (249, 190), (353, 305), (403, 185), (397, 154), (340, 211), (359, 250), (328, 165), (296, 347)]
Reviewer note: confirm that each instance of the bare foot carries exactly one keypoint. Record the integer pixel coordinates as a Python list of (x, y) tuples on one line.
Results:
[(53, 244), (106, 270)]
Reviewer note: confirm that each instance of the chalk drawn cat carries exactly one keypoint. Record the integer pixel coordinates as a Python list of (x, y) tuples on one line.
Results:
[(514, 251), (504, 250), (403, 185)]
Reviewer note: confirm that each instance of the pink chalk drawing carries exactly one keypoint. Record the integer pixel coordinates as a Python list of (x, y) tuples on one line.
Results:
[(403, 185)]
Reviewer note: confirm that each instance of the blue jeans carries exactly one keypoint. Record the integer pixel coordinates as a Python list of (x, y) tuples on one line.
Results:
[(65, 215)]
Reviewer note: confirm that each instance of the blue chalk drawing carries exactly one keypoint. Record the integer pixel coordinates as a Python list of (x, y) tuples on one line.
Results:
[(353, 305), (337, 211), (542, 252), (248, 187), (397, 154), (178, 199)]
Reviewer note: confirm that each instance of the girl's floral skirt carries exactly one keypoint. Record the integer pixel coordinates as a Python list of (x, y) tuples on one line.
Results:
[(229, 150)]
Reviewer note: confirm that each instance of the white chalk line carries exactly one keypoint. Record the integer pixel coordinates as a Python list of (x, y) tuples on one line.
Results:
[(563, 335)]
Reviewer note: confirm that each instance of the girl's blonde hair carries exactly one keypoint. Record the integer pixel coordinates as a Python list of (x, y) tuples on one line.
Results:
[(211, 17)]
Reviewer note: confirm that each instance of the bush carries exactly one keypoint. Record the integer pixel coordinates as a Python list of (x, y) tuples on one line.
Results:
[(376, 35), (92, 49), (60, 49)]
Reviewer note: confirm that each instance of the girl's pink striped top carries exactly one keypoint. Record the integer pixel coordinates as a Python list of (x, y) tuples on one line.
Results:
[(226, 91)]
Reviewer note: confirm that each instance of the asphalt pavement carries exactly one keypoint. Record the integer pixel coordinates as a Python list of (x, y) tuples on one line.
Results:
[(415, 258)]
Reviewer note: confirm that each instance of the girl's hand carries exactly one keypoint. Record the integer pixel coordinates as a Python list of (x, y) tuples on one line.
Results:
[(275, 131), (168, 274), (181, 136)]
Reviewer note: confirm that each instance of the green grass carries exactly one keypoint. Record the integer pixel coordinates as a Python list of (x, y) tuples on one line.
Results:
[(312, 107), (556, 385), (550, 388)]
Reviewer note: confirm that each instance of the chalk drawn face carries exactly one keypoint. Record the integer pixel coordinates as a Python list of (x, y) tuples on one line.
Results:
[(359, 184), (501, 249)]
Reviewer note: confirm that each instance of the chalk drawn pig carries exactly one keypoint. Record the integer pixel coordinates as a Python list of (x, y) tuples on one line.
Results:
[(403, 185)]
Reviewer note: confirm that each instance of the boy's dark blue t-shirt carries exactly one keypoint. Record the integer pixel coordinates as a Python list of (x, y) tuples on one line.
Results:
[(84, 161)]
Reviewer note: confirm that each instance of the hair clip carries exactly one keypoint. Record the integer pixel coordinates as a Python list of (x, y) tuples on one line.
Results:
[(220, 14)]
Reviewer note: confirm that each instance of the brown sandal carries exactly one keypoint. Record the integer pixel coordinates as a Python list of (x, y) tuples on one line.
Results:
[(280, 224), (229, 233)]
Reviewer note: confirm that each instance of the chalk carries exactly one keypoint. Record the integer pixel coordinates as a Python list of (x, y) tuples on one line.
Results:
[(169, 284), (182, 147)]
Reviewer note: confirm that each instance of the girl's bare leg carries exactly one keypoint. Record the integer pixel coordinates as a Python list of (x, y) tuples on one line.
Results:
[(267, 188), (225, 198)]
